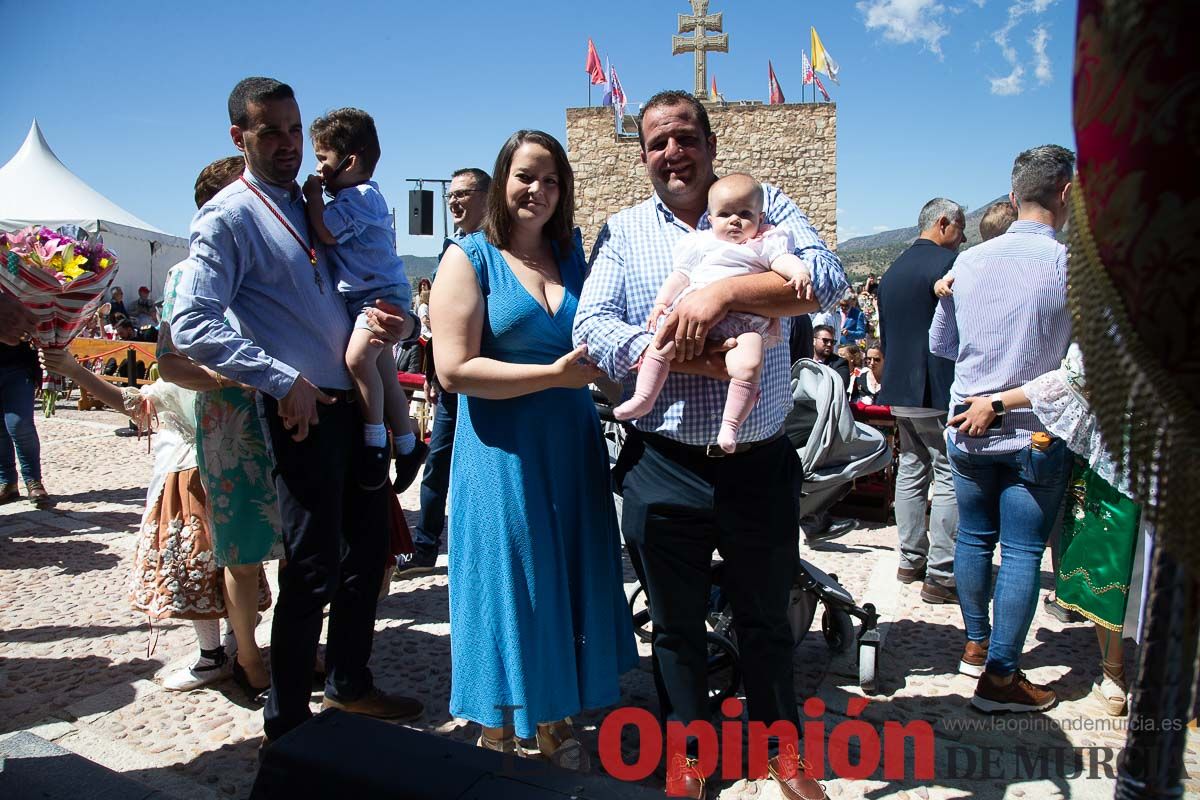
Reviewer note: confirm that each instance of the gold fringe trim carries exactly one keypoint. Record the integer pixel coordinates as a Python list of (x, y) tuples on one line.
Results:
[(1108, 626), (1151, 428)]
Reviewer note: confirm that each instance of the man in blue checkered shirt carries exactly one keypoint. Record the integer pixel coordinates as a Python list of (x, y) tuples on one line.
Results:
[(683, 497)]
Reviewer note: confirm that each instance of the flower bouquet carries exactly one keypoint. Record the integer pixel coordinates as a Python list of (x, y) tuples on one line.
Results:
[(59, 277)]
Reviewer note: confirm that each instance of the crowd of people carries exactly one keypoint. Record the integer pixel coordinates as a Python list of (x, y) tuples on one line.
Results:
[(289, 306)]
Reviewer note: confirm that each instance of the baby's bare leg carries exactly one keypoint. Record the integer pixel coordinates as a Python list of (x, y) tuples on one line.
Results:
[(361, 358), (395, 401), (656, 366), (744, 364)]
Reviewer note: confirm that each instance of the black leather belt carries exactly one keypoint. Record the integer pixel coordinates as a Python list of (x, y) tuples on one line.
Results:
[(707, 450)]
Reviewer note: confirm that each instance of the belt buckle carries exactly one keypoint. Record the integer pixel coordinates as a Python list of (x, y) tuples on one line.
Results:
[(714, 451)]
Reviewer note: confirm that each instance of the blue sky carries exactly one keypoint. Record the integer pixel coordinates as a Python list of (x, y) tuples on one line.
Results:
[(936, 96)]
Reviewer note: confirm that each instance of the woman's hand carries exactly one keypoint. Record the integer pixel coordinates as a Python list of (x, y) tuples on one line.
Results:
[(575, 369), (59, 361), (976, 419)]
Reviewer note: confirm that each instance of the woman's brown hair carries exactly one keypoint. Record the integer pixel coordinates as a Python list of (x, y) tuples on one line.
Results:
[(496, 223)]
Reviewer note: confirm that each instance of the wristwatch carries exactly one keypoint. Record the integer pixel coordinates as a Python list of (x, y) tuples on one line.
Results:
[(997, 405)]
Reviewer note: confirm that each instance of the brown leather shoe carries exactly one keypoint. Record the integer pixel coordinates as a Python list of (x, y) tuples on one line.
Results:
[(910, 574), (937, 594), (8, 493), (684, 778), (1014, 693), (37, 494), (793, 774), (380, 705), (974, 658)]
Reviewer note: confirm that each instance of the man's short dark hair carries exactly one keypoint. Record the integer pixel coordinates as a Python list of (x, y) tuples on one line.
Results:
[(255, 91), (482, 179), (674, 97), (818, 328), (348, 131), (1039, 174), (216, 176)]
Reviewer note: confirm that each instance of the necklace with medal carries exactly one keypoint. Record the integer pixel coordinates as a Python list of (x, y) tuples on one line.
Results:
[(306, 246)]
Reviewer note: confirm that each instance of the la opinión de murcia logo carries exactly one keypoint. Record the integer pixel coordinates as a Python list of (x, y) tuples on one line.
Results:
[(754, 738)]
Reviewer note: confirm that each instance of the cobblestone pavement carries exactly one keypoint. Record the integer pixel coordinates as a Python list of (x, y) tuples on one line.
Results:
[(77, 666)]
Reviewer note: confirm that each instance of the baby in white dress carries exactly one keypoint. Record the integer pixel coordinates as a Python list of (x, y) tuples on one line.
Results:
[(738, 244)]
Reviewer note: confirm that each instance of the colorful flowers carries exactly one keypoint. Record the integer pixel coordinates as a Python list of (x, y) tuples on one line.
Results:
[(64, 257)]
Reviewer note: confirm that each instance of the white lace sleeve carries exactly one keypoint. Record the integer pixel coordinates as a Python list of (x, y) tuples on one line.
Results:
[(1065, 413), (175, 407)]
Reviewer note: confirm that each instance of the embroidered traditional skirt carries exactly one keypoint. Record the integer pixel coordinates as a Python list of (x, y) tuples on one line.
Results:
[(1099, 537), (174, 573)]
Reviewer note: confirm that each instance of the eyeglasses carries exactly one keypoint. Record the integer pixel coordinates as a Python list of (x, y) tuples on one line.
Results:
[(825, 341), (874, 358), (461, 194)]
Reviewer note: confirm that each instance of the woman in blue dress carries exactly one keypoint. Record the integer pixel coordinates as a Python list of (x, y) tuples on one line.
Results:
[(539, 628)]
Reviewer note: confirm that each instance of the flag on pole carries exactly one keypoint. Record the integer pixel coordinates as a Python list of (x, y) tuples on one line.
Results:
[(821, 60), (713, 93), (776, 93), (821, 86), (593, 66), (618, 96), (807, 68), (607, 98)]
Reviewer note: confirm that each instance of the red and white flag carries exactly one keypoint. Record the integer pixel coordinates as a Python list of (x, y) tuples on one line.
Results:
[(776, 93), (618, 93), (593, 66), (821, 86), (807, 68)]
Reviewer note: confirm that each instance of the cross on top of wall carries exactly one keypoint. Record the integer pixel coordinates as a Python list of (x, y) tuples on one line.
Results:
[(700, 23)]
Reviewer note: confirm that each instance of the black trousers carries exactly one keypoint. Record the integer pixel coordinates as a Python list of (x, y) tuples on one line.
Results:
[(335, 539), (679, 506)]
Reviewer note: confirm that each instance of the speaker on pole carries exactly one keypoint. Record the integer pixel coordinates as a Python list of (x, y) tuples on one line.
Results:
[(420, 212)]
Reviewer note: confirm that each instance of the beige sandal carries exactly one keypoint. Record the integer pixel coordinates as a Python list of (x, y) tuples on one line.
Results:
[(557, 742), (1110, 691), (522, 748)]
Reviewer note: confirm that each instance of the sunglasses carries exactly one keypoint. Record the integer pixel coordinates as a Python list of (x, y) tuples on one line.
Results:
[(825, 341)]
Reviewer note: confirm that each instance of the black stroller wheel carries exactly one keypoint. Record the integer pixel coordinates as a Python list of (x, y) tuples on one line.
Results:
[(838, 628), (724, 670), (639, 607)]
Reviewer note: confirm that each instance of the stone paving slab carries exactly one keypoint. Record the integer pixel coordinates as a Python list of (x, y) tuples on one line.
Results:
[(79, 666)]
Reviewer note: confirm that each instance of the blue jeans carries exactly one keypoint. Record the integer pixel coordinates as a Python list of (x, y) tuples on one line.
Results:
[(16, 398), (435, 482), (1013, 499)]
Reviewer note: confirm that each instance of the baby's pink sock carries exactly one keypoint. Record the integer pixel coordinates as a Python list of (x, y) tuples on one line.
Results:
[(739, 402), (651, 377)]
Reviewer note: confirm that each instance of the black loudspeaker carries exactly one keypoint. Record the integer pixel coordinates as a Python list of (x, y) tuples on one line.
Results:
[(336, 754), (420, 212)]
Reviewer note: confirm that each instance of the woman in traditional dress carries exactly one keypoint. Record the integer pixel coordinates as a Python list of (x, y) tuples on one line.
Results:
[(538, 620), (1100, 534)]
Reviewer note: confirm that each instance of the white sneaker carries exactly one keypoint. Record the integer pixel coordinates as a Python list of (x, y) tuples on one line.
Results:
[(1111, 695), (201, 673)]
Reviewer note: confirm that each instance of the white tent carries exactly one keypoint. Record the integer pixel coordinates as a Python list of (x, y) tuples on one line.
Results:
[(38, 189)]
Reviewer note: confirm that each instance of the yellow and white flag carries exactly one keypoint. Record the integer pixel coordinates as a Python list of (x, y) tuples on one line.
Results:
[(821, 60)]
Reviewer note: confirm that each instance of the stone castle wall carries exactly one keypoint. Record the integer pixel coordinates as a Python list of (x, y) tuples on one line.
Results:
[(793, 146)]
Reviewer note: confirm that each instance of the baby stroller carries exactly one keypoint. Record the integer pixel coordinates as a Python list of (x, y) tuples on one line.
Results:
[(834, 451)]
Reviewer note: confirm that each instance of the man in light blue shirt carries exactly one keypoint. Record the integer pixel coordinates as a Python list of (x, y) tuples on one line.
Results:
[(1007, 323), (683, 496), (251, 253)]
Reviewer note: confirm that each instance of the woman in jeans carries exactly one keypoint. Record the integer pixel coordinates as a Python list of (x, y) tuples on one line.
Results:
[(19, 373)]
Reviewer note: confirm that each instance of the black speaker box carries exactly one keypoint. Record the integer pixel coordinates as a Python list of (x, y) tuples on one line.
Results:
[(336, 754), (420, 212)]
